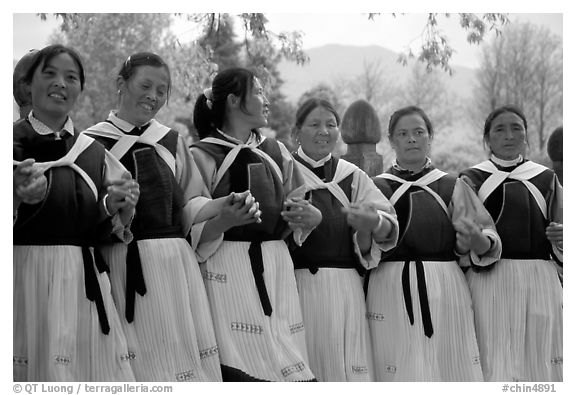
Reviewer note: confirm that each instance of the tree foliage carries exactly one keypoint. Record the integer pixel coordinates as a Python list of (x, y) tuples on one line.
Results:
[(524, 67), (435, 50), (105, 41)]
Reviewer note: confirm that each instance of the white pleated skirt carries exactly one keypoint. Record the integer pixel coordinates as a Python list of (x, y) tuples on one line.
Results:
[(334, 311), (172, 336), (401, 350), (518, 313), (271, 348), (56, 330)]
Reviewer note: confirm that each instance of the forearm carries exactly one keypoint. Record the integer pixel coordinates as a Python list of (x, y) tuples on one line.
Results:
[(212, 230), (364, 240)]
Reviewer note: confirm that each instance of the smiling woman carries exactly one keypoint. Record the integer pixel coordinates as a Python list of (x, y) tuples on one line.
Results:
[(156, 282), (66, 326), (358, 221)]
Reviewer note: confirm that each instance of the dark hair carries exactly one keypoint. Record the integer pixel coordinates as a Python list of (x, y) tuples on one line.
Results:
[(394, 118), (309, 105), (46, 54), (236, 81), (554, 146), (501, 110), (139, 59), (18, 76)]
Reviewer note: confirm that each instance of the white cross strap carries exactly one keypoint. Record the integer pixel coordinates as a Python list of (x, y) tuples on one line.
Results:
[(522, 173), (82, 142), (312, 181), (231, 156), (154, 133), (422, 182)]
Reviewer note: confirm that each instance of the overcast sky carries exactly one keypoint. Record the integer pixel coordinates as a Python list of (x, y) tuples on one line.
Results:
[(394, 33)]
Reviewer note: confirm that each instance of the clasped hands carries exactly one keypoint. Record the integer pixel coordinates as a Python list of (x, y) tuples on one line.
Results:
[(469, 237), (122, 196), (30, 183), (299, 213), (554, 233), (239, 208)]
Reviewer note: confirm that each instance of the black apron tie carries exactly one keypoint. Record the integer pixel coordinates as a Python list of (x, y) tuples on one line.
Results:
[(422, 293), (257, 263), (92, 287), (134, 279)]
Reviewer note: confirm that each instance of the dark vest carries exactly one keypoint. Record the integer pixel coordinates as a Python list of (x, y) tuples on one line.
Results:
[(426, 232), (159, 208), (330, 244), (519, 221), (69, 214), (250, 171)]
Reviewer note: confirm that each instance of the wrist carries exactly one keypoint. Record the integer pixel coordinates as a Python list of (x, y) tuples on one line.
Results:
[(485, 246), (378, 225), (105, 204)]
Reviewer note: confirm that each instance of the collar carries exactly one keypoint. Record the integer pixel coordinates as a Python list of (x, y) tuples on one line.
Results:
[(314, 163), (506, 163), (123, 125), (44, 130), (399, 168), (252, 139)]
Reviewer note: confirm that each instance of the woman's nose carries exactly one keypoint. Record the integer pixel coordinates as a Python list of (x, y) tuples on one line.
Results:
[(59, 82)]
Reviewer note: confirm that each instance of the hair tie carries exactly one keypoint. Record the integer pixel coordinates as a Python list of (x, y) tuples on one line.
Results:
[(208, 95)]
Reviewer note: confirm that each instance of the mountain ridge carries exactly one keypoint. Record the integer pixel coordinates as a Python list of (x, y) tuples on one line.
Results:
[(332, 61)]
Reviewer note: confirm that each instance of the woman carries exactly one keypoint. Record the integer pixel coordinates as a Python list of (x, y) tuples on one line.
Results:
[(69, 195), (248, 273), (418, 302), (357, 221), (518, 300), (156, 281)]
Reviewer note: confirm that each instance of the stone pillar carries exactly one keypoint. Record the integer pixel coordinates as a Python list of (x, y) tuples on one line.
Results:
[(360, 130)]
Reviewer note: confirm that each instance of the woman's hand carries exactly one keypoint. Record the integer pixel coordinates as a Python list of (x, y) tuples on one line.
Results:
[(238, 209), (554, 233), (30, 183), (299, 213), (362, 217), (469, 237), (123, 195)]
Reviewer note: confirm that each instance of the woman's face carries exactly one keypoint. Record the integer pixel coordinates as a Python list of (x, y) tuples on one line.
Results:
[(411, 140), (255, 113), (143, 95), (507, 136), (319, 133), (55, 87)]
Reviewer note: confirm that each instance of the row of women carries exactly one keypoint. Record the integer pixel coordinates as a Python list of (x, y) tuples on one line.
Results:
[(139, 258)]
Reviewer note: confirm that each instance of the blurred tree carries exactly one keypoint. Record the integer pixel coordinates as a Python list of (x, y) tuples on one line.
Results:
[(220, 39), (326, 92), (435, 50), (428, 90), (105, 41), (524, 67)]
